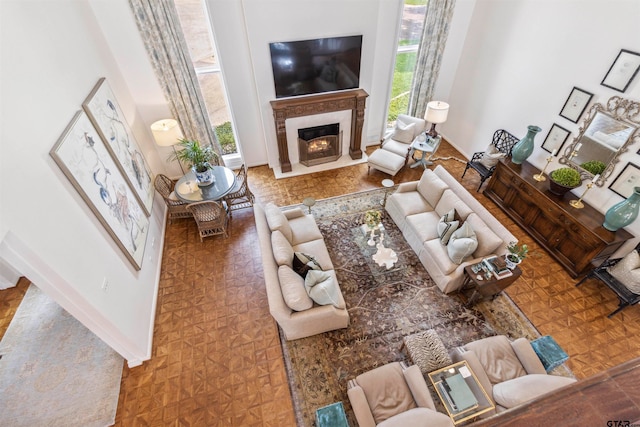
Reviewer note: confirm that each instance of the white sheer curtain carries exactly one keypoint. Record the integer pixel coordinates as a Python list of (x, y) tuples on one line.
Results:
[(434, 38), (160, 28)]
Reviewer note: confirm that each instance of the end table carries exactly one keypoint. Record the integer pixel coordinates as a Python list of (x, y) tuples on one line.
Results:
[(486, 288)]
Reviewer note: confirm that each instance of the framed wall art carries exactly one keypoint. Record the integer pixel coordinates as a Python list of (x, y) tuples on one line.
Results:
[(104, 111), (626, 180), (555, 139), (622, 71), (575, 104), (86, 162)]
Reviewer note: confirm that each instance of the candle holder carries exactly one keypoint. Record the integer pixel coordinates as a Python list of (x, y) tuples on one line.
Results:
[(540, 176), (578, 203)]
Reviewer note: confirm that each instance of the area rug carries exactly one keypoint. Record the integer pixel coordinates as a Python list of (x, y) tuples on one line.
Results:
[(54, 371), (384, 306)]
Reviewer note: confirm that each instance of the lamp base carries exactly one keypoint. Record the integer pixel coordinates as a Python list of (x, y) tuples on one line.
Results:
[(539, 177), (432, 132), (577, 204)]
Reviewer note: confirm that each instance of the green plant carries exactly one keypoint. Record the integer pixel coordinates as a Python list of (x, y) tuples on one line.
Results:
[(195, 154), (566, 176), (227, 141), (518, 251), (372, 218), (596, 167)]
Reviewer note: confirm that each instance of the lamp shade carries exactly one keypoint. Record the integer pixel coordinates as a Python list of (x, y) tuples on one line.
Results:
[(166, 132), (437, 112)]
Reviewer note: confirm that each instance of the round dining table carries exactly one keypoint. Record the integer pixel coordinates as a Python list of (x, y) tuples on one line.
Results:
[(188, 190)]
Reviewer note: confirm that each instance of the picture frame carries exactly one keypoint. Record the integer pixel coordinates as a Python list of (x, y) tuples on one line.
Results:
[(626, 180), (575, 104), (555, 139), (622, 71), (105, 113), (85, 161)]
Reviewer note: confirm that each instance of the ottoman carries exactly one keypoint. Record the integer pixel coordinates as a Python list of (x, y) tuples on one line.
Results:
[(427, 351), (385, 161)]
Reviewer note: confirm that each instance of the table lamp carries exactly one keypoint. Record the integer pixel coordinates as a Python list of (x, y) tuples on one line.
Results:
[(437, 112), (167, 133)]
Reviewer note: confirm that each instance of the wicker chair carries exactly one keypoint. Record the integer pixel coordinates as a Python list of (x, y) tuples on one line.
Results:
[(177, 208), (240, 195), (504, 142), (211, 218)]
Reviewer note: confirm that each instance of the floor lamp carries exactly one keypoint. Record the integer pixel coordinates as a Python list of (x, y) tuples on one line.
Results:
[(167, 133), (437, 112)]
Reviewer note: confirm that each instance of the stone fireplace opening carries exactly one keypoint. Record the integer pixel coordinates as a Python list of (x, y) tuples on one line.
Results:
[(319, 144)]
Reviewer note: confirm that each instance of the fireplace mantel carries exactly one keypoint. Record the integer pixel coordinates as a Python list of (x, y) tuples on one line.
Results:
[(284, 109)]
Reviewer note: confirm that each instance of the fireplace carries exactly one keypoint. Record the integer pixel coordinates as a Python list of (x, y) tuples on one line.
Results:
[(319, 144)]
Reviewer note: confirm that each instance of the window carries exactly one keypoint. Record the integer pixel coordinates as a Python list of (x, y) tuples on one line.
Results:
[(199, 37), (408, 41)]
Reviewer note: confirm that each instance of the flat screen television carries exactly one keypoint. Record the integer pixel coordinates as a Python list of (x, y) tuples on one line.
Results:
[(314, 66)]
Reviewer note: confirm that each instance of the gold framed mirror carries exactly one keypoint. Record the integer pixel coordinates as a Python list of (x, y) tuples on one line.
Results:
[(604, 134)]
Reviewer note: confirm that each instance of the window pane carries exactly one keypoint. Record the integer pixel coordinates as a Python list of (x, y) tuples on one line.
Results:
[(211, 85)]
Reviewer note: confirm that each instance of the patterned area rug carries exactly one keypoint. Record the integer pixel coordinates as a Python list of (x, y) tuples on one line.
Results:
[(384, 306), (54, 371)]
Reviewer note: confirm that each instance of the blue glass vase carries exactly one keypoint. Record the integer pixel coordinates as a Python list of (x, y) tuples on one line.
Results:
[(523, 148), (623, 213)]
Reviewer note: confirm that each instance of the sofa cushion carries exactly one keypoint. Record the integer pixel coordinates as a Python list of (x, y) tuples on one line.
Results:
[(522, 389), (386, 391), (293, 290), (462, 244), (304, 229), (411, 203), (277, 220), (446, 226), (418, 417), (282, 249), (302, 263), (322, 288), (436, 251), (404, 132), (450, 200), (488, 241), (627, 271), (423, 227), (318, 250), (497, 358), (431, 187)]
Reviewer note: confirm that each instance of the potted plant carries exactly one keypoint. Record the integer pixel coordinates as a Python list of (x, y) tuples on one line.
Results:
[(372, 218), (563, 180), (516, 254), (199, 158)]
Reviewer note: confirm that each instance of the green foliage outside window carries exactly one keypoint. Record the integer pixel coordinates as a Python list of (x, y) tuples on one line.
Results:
[(227, 141), (401, 87)]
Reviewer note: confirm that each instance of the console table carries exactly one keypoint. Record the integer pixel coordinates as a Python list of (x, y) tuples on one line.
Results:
[(574, 237)]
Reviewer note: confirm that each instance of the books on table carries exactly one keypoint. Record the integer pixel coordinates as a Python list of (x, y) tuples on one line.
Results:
[(457, 394), (497, 266)]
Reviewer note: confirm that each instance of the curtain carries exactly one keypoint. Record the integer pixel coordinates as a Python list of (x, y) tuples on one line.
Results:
[(160, 29), (434, 37)]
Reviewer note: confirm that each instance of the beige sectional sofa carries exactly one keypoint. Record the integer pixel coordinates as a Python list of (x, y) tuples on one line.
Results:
[(281, 234), (417, 207)]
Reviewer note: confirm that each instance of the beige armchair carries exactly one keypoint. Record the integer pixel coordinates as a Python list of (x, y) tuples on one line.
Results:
[(394, 395), (510, 372)]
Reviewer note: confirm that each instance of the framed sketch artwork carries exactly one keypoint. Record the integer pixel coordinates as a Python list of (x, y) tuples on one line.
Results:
[(86, 162), (102, 108), (555, 139), (622, 71), (575, 104), (627, 179)]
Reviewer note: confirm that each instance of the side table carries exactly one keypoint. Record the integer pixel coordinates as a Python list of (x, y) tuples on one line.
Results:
[(549, 352), (486, 288)]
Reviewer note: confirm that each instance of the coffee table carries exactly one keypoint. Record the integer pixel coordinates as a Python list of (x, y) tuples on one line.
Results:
[(461, 393), (381, 259)]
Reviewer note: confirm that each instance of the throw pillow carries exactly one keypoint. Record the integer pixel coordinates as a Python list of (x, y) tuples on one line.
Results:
[(491, 157), (627, 271), (488, 241), (302, 263), (446, 226), (293, 291), (323, 289), (463, 243), (277, 220), (282, 250), (404, 132)]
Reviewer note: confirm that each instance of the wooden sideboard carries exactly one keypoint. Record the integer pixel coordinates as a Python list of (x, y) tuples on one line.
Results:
[(574, 237)]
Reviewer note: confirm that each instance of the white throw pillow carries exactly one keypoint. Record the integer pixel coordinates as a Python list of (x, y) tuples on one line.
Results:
[(463, 243), (627, 271), (447, 226), (491, 157), (277, 220), (323, 289), (404, 132), (293, 289), (282, 250)]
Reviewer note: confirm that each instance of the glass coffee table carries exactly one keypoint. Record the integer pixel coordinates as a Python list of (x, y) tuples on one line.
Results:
[(461, 393)]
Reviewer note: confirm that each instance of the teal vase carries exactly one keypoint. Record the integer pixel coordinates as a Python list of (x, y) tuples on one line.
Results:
[(523, 148), (623, 213)]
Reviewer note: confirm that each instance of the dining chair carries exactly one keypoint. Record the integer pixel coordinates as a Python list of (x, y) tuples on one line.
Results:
[(176, 207), (211, 218), (240, 195), (484, 162)]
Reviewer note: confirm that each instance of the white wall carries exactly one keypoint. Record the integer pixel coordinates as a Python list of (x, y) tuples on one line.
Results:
[(520, 61), (53, 53)]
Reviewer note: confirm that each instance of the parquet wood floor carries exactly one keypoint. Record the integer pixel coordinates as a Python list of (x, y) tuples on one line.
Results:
[(216, 356)]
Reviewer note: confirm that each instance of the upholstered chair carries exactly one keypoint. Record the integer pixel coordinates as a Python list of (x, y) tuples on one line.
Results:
[(394, 395), (240, 195), (211, 218), (510, 372), (484, 162), (176, 207)]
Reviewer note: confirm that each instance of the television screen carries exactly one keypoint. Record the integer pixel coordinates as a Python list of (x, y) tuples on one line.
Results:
[(315, 66)]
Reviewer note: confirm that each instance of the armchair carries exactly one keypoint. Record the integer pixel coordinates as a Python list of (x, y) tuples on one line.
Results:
[(394, 395), (622, 276), (510, 372), (484, 162)]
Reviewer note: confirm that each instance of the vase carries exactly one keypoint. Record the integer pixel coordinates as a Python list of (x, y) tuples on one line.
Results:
[(512, 261), (559, 189), (624, 213), (205, 177), (523, 148)]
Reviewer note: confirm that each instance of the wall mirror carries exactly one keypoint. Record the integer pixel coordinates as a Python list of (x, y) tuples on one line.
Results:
[(604, 134)]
